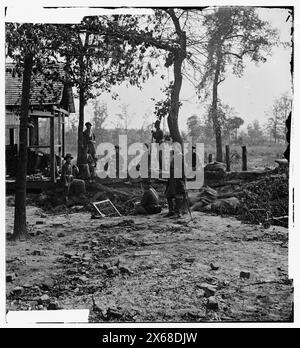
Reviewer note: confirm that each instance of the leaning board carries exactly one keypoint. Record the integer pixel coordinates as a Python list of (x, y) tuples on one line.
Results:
[(106, 208)]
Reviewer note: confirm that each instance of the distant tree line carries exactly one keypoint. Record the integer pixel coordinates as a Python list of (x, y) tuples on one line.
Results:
[(274, 131)]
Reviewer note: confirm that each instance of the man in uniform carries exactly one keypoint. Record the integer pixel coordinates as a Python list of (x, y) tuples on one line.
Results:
[(175, 193), (150, 201), (158, 134), (89, 141), (158, 137), (69, 172)]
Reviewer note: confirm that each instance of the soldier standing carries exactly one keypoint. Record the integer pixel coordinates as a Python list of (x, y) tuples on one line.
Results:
[(175, 193), (89, 141), (158, 134)]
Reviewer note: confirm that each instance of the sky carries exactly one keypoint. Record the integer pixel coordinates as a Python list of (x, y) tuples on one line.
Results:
[(251, 96)]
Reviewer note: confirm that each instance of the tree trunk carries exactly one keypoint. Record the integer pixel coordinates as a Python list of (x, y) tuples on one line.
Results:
[(179, 56), (20, 226), (216, 122), (174, 111), (81, 153)]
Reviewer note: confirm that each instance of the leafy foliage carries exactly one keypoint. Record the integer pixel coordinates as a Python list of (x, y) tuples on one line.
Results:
[(235, 33), (279, 113)]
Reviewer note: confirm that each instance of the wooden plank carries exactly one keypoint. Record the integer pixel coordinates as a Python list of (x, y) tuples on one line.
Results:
[(38, 113), (52, 151), (63, 136), (59, 137), (63, 111)]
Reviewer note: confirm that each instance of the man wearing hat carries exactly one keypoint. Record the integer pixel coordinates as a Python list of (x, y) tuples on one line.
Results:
[(69, 172), (89, 141), (158, 134), (150, 201)]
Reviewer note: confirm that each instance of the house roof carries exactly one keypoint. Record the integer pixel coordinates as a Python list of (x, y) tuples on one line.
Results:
[(44, 90)]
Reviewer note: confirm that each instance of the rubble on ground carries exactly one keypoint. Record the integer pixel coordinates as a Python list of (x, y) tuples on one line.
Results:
[(266, 201), (263, 201)]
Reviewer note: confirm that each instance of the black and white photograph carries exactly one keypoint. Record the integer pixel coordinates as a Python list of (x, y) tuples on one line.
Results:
[(149, 165)]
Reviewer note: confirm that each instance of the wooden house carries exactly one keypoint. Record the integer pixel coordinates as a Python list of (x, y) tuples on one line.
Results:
[(50, 103)]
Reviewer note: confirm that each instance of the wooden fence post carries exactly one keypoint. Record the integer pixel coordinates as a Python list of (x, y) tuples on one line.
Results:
[(244, 158), (210, 158), (52, 150), (227, 156)]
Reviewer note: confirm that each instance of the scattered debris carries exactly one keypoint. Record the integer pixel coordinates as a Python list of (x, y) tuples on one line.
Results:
[(53, 305), (17, 291), (125, 270), (37, 253), (212, 303), (214, 267), (245, 275), (266, 200), (145, 253), (209, 290), (83, 279), (47, 284), (190, 259), (44, 299), (39, 222), (10, 277), (112, 271), (68, 255)]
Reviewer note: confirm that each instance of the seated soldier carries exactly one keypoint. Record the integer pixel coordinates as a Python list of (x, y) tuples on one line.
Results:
[(69, 172), (150, 201)]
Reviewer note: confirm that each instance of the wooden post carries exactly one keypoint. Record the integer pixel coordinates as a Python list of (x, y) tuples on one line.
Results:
[(35, 131), (244, 158), (59, 137), (63, 136), (210, 158), (52, 151), (227, 156), (117, 160)]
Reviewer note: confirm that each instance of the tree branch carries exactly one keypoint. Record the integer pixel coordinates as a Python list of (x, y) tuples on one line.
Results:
[(235, 54), (221, 80), (175, 20)]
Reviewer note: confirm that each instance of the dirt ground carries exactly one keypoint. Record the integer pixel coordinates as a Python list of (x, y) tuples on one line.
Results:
[(150, 269)]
